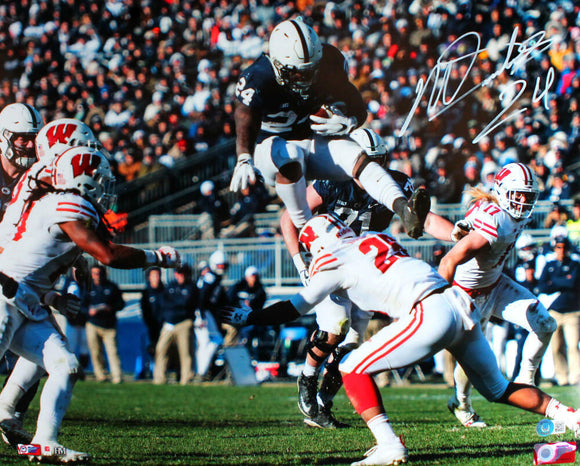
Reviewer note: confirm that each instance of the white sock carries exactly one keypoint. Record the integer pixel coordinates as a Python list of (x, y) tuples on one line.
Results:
[(9, 398), (380, 185), (382, 430), (462, 388), (309, 370), (54, 401), (294, 198)]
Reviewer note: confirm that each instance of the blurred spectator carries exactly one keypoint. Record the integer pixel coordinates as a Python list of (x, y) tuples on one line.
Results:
[(103, 300), (573, 223), (152, 307), (249, 291), (557, 216), (130, 167), (179, 304), (560, 281), (214, 207)]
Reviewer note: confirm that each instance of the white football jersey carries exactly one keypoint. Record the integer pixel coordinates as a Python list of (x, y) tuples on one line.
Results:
[(376, 273), (501, 231), (37, 251), (20, 194)]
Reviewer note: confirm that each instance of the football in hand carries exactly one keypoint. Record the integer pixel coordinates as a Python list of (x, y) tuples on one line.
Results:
[(323, 112)]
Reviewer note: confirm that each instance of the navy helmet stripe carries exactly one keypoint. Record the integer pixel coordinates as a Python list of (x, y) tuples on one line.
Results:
[(35, 122), (302, 41)]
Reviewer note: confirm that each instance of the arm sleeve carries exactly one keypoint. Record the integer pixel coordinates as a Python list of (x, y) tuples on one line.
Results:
[(278, 313)]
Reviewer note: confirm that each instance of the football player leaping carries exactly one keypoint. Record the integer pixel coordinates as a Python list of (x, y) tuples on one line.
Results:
[(475, 263), (278, 98), (58, 222), (376, 273), (341, 324)]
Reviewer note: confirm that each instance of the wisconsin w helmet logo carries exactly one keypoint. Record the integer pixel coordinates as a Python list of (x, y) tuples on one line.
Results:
[(85, 164), (59, 134)]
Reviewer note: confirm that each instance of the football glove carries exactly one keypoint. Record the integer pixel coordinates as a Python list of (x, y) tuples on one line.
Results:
[(336, 124), (244, 173), (68, 304), (237, 316), (301, 267), (460, 229), (167, 257)]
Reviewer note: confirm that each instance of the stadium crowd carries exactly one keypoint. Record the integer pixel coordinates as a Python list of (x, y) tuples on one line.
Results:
[(156, 80)]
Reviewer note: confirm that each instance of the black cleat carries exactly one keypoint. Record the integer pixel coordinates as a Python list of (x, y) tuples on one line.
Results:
[(414, 212), (307, 389), (325, 420)]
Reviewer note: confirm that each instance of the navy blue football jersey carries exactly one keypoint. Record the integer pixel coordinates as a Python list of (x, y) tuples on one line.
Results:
[(355, 207), (6, 187), (284, 113)]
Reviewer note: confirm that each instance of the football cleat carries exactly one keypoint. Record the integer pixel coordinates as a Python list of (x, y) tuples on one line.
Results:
[(324, 420), (55, 453), (307, 388), (468, 417), (414, 212), (13, 433), (385, 454)]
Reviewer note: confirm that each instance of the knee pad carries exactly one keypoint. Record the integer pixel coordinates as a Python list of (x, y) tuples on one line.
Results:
[(337, 355), (319, 340), (65, 364), (544, 322)]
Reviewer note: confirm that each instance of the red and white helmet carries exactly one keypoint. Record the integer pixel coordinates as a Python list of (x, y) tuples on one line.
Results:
[(19, 125), (516, 189), (86, 171), (62, 134), (295, 51), (322, 232)]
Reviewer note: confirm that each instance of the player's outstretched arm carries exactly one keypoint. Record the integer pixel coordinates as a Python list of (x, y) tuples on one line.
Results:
[(438, 227), (464, 250), (117, 255)]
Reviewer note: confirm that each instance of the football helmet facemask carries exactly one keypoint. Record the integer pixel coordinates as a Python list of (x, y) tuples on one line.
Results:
[(322, 232), (372, 144), (62, 134), (295, 52), (19, 125), (85, 170), (517, 190)]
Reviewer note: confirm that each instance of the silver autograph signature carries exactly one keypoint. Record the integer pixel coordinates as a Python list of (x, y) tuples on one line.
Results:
[(440, 100)]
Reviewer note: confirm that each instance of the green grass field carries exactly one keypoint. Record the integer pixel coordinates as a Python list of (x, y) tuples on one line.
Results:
[(140, 423)]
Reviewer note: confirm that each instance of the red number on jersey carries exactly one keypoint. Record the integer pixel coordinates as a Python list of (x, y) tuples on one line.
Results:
[(382, 244), (84, 164), (59, 134), (308, 236), (492, 209)]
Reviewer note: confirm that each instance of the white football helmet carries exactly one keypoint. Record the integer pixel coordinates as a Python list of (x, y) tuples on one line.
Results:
[(86, 171), (19, 121), (62, 134), (322, 232), (371, 143), (516, 189), (295, 52), (218, 262)]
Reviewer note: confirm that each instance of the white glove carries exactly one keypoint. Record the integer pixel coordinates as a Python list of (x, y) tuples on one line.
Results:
[(167, 257), (68, 304), (244, 172), (460, 229), (301, 267), (337, 124), (236, 315)]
